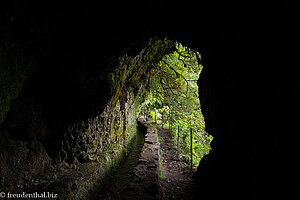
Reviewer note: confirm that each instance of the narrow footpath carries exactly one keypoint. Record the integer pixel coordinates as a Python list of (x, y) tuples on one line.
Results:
[(176, 181), (143, 181)]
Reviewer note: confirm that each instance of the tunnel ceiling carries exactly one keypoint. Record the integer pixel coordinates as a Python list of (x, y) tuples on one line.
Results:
[(65, 43)]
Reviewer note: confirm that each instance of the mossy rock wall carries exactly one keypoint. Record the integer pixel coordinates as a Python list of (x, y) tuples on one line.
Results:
[(111, 130), (80, 117), (105, 139), (85, 139)]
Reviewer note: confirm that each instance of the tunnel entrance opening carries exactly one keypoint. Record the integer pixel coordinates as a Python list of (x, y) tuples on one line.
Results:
[(172, 101), (164, 82)]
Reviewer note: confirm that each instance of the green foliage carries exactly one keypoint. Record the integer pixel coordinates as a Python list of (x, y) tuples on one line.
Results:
[(173, 95), (77, 183), (55, 177)]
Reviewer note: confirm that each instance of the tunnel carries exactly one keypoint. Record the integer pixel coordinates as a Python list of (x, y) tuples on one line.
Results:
[(71, 75)]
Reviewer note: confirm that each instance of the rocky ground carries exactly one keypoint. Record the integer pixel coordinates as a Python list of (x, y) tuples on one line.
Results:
[(176, 181), (171, 179), (136, 177)]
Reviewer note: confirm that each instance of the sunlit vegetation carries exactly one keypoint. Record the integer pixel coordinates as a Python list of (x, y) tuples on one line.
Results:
[(172, 101)]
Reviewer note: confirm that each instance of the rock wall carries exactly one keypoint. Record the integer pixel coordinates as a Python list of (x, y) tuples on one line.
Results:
[(113, 128), (61, 141), (241, 93)]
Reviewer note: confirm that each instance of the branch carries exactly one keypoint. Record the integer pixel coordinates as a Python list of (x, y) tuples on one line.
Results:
[(192, 80), (187, 83), (183, 55)]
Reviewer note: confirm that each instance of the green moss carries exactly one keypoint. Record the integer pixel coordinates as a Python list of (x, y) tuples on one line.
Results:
[(117, 92), (88, 170), (54, 177), (118, 132), (67, 194)]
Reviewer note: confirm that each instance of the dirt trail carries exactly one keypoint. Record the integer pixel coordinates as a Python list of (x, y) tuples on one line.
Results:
[(176, 181), (143, 182), (137, 176)]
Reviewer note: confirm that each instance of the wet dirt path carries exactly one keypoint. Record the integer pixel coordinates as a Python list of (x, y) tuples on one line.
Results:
[(176, 181), (138, 176), (124, 175), (145, 182)]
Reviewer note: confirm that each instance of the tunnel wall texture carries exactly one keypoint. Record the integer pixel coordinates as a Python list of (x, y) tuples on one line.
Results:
[(46, 125), (56, 62)]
